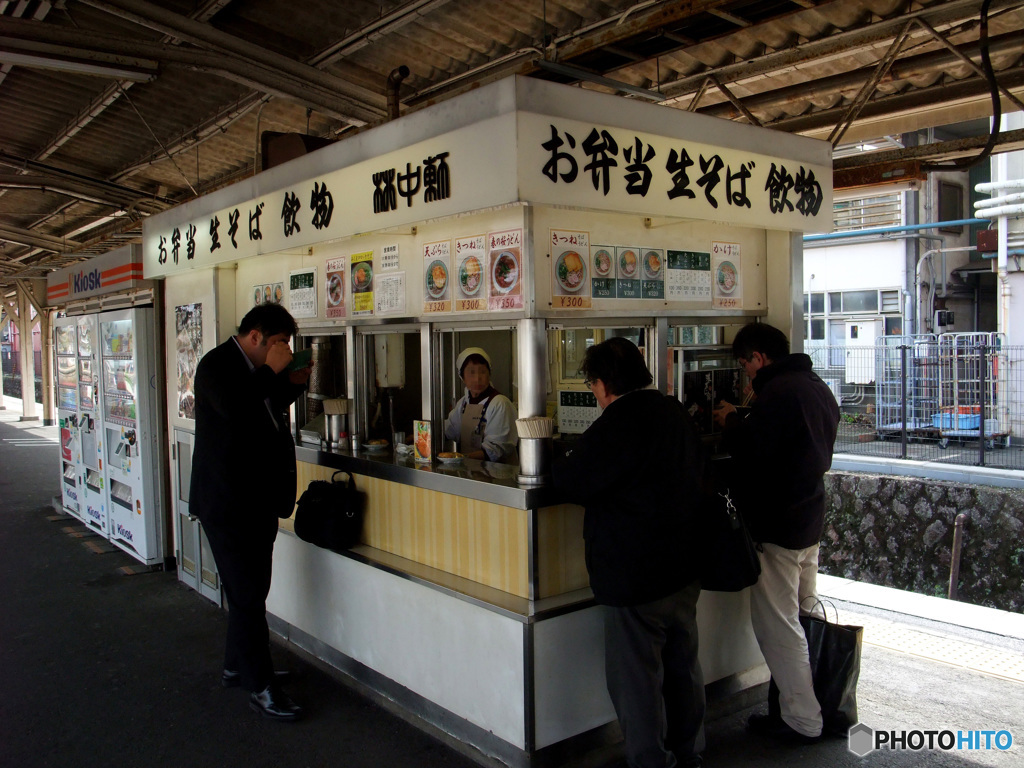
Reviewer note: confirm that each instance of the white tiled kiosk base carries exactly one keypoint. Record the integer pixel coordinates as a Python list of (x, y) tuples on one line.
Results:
[(514, 686)]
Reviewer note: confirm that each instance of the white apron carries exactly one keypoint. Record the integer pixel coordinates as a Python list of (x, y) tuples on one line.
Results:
[(471, 437)]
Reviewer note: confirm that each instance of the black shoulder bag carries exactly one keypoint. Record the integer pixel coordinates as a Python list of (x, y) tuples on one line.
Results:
[(330, 513), (729, 556)]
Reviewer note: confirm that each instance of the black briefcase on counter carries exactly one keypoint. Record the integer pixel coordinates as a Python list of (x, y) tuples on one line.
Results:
[(330, 513)]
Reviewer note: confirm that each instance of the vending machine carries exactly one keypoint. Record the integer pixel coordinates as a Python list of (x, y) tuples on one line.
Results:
[(92, 483), (67, 415), (133, 447)]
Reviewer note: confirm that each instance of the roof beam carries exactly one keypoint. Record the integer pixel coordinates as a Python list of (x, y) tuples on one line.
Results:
[(37, 240), (16, 34), (866, 36)]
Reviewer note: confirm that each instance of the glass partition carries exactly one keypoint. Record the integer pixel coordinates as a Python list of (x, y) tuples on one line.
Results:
[(501, 346), (703, 371), (390, 382), (571, 403), (328, 380)]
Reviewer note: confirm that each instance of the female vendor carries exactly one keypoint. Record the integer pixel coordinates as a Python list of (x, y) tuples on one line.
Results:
[(483, 421)]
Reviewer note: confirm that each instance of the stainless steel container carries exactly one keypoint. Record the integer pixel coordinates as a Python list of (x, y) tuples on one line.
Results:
[(534, 460), (337, 429)]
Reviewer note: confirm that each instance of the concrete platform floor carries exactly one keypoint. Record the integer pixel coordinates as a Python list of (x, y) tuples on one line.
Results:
[(100, 668)]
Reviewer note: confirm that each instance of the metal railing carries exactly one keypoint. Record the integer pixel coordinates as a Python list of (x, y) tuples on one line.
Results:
[(952, 398)]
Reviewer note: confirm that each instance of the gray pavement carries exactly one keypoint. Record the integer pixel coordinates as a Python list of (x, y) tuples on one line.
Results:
[(103, 669)]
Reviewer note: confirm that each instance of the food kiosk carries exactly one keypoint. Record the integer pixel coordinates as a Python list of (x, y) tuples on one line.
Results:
[(531, 219)]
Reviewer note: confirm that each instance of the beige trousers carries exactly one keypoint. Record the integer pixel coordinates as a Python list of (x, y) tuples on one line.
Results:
[(788, 576)]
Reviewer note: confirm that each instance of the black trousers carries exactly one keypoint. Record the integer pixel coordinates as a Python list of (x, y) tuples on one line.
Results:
[(655, 679), (244, 556)]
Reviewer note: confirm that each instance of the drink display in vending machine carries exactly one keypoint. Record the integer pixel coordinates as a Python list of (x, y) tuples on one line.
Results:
[(66, 348), (92, 484), (132, 444)]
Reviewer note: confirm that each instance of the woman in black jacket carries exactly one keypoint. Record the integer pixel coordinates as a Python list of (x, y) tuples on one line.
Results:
[(636, 470)]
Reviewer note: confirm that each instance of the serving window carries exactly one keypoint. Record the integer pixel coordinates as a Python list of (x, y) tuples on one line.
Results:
[(501, 345), (389, 381)]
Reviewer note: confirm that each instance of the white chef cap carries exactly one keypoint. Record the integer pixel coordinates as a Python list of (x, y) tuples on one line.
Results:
[(465, 354)]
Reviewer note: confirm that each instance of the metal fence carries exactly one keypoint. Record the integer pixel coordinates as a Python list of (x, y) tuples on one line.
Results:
[(952, 398)]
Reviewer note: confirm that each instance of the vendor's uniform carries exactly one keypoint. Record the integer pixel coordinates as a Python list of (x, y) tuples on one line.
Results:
[(487, 425), (782, 450)]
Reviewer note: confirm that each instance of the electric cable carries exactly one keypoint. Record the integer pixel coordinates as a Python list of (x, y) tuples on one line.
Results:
[(997, 108)]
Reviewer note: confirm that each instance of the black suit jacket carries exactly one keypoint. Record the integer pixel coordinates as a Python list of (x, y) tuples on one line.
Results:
[(243, 464)]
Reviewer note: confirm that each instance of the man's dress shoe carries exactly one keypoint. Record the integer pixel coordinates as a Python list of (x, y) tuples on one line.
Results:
[(231, 679), (274, 703)]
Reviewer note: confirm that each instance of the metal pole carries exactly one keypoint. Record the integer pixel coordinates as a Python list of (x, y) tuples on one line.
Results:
[(983, 362), (954, 565), (903, 400)]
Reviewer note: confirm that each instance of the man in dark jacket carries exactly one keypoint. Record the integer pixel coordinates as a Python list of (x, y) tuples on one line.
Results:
[(634, 470), (782, 451), (243, 480)]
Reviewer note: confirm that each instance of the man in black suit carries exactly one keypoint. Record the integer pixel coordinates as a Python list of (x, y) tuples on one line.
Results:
[(243, 480), (637, 470)]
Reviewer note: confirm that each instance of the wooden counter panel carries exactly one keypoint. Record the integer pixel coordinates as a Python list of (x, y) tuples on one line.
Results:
[(477, 540), (561, 564)]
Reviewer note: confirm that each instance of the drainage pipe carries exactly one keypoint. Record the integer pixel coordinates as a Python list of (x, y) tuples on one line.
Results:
[(931, 266), (394, 84), (889, 230)]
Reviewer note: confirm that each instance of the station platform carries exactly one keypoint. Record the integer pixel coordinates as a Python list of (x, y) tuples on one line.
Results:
[(103, 663)]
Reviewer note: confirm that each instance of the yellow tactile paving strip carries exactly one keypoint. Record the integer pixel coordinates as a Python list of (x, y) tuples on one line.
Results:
[(948, 650)]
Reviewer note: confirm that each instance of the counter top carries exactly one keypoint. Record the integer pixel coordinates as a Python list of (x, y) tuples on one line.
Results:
[(471, 478)]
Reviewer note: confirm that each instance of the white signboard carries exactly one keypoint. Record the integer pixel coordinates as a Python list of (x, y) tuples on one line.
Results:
[(590, 165)]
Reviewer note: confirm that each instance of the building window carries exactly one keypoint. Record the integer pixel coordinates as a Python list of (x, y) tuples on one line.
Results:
[(890, 301), (894, 326), (868, 212), (826, 314), (853, 301)]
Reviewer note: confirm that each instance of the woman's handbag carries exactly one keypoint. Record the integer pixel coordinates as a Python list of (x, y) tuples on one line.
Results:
[(330, 514), (730, 562), (834, 651)]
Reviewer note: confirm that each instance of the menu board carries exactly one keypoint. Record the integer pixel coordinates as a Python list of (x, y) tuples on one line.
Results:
[(504, 269), (334, 271), (437, 259), (470, 294), (627, 273), (302, 292), (688, 277), (421, 440), (267, 293), (652, 273), (570, 260), (727, 288), (362, 283)]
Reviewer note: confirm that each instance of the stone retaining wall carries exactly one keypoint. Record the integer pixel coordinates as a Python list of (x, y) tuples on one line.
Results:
[(898, 532)]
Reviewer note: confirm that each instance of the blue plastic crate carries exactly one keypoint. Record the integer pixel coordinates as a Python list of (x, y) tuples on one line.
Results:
[(956, 421)]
